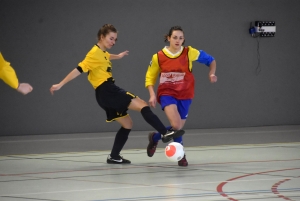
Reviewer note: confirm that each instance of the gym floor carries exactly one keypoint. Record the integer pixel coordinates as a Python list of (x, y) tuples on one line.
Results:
[(256, 163)]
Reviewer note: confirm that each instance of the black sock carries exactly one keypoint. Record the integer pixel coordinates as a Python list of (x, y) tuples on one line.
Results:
[(120, 140), (153, 120)]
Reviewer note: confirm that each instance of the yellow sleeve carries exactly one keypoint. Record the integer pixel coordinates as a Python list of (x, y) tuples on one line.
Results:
[(7, 73), (152, 72), (193, 56), (193, 53)]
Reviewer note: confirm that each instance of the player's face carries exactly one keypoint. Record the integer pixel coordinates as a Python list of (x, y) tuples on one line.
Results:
[(109, 40), (176, 39)]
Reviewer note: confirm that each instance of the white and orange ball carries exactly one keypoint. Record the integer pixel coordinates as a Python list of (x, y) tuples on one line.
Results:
[(174, 151)]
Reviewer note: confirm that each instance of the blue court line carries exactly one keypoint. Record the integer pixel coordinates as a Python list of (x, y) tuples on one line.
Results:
[(204, 194)]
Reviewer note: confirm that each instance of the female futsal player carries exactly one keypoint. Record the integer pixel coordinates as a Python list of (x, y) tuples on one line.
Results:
[(176, 83), (111, 98), (8, 75)]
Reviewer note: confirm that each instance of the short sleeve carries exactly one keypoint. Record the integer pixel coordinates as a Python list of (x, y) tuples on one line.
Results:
[(90, 61), (193, 53), (205, 58)]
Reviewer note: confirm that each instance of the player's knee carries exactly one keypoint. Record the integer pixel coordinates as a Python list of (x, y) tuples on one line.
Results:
[(141, 103), (126, 122), (128, 126), (176, 126)]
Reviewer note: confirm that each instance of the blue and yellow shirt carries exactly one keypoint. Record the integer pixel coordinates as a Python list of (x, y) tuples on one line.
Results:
[(193, 55)]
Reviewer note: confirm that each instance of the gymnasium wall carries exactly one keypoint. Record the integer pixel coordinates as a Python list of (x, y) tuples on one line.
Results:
[(45, 40)]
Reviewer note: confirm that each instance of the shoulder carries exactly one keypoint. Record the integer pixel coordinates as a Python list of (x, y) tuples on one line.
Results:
[(190, 48), (161, 51), (93, 51), (155, 56), (193, 53), (107, 54)]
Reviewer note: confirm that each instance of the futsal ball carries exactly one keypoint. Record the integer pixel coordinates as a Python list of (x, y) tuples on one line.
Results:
[(174, 151)]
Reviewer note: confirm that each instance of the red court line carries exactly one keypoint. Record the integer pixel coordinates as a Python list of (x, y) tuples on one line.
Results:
[(221, 185), (275, 189)]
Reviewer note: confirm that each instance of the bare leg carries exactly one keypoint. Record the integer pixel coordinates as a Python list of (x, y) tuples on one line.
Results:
[(174, 117), (137, 104), (126, 122)]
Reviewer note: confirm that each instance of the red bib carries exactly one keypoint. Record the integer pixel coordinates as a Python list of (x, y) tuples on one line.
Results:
[(176, 79)]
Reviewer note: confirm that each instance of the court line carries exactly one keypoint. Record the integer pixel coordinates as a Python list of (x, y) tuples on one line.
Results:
[(275, 189), (222, 184), (241, 195), (161, 185), (143, 166), (143, 136), (264, 145), (159, 150), (244, 195)]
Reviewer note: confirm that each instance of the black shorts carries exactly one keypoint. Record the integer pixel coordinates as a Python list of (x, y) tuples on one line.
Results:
[(113, 100)]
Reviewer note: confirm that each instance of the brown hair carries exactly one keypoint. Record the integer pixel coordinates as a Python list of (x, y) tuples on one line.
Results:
[(106, 29), (174, 28)]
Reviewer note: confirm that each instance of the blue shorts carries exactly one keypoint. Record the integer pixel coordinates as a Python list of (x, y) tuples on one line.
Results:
[(183, 106)]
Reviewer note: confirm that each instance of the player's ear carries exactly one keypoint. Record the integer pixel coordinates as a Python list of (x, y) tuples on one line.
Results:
[(169, 38)]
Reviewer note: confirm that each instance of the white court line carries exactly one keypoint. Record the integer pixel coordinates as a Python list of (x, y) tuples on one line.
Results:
[(143, 136), (144, 186), (206, 148)]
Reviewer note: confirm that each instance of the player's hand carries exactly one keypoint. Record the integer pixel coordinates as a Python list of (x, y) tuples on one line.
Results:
[(122, 54), (55, 87), (24, 88), (152, 101), (213, 78)]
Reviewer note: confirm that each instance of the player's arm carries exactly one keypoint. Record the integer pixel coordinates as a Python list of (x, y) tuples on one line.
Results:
[(209, 61), (118, 56), (85, 66), (152, 99), (9, 76), (206, 59), (151, 76), (72, 75), (212, 71)]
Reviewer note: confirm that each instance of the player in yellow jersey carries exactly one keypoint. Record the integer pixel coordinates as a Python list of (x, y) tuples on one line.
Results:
[(8, 75), (111, 98), (176, 83)]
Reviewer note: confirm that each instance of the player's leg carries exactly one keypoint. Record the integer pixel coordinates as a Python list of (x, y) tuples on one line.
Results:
[(120, 140), (177, 112), (183, 109), (108, 103), (154, 137), (174, 119), (138, 104), (173, 116)]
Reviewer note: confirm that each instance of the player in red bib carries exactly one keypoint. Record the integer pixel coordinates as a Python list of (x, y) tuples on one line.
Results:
[(176, 83)]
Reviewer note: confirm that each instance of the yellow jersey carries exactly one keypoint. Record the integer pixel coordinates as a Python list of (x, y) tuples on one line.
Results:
[(97, 65)]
